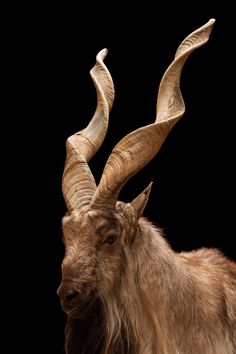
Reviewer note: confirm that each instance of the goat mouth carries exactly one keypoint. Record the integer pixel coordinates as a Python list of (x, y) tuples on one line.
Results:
[(82, 310)]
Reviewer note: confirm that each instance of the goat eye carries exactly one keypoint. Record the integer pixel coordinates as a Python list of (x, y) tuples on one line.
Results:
[(111, 239)]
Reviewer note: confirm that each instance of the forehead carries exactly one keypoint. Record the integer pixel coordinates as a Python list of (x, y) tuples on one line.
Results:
[(90, 218)]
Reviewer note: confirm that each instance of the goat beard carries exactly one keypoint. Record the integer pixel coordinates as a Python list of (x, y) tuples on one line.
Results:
[(86, 335)]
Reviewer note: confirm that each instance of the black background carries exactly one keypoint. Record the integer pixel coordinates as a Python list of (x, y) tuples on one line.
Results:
[(53, 96)]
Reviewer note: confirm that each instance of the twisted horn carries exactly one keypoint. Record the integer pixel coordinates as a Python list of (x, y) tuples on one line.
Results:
[(136, 149), (78, 184)]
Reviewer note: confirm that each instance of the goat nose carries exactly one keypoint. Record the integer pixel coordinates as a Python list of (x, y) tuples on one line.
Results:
[(67, 292)]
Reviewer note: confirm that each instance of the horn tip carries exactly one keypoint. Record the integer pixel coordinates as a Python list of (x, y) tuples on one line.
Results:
[(211, 21), (102, 54), (209, 25)]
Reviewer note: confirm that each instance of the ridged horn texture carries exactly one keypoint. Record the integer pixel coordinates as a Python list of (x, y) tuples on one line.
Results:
[(78, 184), (135, 150)]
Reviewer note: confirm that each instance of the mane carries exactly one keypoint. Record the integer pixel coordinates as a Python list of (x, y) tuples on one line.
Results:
[(129, 310)]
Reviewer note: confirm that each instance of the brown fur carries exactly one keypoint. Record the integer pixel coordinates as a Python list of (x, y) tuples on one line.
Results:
[(124, 289), (147, 299)]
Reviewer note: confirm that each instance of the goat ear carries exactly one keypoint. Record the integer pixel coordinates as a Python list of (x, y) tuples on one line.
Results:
[(140, 202)]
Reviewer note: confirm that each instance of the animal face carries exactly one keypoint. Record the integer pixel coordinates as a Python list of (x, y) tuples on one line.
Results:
[(95, 242)]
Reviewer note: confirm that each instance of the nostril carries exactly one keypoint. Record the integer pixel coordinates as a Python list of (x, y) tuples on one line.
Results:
[(71, 295), (67, 292)]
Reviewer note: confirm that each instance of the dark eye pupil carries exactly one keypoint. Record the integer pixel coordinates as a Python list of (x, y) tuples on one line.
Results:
[(110, 239)]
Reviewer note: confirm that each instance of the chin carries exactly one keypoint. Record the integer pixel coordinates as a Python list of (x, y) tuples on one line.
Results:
[(82, 311)]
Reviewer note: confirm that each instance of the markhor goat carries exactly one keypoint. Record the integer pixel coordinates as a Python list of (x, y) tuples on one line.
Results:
[(124, 289)]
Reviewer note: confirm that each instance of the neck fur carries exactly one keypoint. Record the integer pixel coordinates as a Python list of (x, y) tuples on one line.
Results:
[(135, 312)]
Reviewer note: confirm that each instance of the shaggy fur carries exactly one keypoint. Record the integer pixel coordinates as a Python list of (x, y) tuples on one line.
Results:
[(146, 298), (124, 289)]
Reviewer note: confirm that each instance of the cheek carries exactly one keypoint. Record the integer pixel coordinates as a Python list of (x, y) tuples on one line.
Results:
[(108, 270)]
